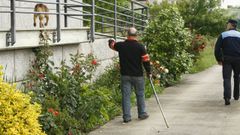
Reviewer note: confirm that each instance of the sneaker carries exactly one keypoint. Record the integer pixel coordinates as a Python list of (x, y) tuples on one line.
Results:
[(227, 101), (144, 116)]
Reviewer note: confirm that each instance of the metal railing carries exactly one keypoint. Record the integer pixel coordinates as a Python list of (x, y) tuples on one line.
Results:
[(111, 21)]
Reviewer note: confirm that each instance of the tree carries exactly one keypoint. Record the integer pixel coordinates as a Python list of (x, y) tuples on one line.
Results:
[(204, 16)]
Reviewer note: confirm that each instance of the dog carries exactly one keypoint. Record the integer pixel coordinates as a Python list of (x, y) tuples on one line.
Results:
[(41, 8)]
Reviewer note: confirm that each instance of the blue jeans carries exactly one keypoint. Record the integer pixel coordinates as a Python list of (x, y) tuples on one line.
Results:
[(127, 83)]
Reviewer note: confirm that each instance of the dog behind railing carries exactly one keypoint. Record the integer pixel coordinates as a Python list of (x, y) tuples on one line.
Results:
[(41, 16)]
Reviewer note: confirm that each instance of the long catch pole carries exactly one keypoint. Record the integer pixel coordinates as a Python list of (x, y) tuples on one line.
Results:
[(158, 102)]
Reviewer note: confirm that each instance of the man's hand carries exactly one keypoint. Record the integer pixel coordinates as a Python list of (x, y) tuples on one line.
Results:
[(149, 75), (110, 42)]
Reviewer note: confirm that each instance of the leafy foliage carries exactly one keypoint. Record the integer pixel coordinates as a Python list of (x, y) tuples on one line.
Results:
[(205, 58), (168, 41), (105, 9), (17, 114), (198, 45), (70, 103), (204, 16)]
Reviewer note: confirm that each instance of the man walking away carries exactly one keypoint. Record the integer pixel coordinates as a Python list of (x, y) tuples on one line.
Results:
[(132, 55), (227, 54)]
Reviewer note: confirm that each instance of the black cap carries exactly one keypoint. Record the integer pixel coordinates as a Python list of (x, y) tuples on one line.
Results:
[(232, 21)]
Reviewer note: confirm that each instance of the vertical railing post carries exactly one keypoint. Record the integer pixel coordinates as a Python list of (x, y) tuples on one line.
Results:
[(115, 19), (58, 20), (93, 21), (147, 13), (102, 25), (13, 24), (65, 11), (143, 18), (132, 7)]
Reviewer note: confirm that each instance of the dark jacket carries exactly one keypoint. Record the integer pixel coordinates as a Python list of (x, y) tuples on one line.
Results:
[(228, 45), (132, 56)]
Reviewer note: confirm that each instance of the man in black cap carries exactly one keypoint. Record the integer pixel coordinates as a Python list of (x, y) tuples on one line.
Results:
[(227, 54)]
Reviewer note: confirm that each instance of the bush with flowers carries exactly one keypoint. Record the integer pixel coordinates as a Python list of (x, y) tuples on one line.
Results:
[(198, 44), (159, 73), (18, 116), (71, 103), (168, 41)]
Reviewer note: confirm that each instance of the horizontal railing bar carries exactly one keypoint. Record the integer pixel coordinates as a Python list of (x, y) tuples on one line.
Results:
[(97, 7), (106, 2), (139, 25), (70, 14), (113, 25), (5, 11), (140, 4), (124, 14), (30, 1), (4, 6), (129, 16), (28, 8), (80, 2), (82, 11), (108, 24), (135, 19), (68, 6), (138, 13), (121, 6), (107, 35), (36, 13), (80, 18), (111, 18), (120, 20), (135, 13), (139, 8), (124, 8)]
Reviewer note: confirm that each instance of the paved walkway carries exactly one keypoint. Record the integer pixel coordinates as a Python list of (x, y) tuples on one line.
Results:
[(193, 107)]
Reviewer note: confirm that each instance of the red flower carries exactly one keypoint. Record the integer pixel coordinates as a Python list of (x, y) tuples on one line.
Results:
[(51, 110), (94, 62), (55, 113), (69, 133)]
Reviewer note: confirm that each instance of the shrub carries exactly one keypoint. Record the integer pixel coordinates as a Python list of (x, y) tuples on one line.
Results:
[(111, 79), (71, 103), (198, 44), (168, 42), (17, 114)]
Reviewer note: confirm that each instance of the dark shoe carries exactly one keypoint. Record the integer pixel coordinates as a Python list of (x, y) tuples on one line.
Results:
[(126, 121), (236, 98), (227, 101), (144, 116)]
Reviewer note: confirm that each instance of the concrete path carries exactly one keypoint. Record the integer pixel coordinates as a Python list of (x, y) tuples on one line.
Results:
[(193, 107)]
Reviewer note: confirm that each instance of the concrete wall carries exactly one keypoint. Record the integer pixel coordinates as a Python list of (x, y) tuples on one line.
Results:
[(16, 62)]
